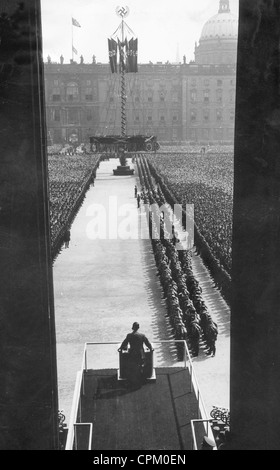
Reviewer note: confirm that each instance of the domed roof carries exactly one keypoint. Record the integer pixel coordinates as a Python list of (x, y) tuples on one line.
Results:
[(224, 25)]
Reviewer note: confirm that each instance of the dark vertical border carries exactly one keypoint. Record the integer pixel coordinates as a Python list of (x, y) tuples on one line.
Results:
[(28, 371), (255, 329)]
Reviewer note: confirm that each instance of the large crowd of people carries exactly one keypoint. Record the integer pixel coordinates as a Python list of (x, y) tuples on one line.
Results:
[(197, 148), (207, 182), (69, 149), (189, 316), (69, 178)]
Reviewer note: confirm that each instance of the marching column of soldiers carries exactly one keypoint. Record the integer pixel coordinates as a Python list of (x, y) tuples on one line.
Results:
[(189, 316)]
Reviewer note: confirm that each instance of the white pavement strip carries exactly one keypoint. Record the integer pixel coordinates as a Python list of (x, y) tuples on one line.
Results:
[(214, 373)]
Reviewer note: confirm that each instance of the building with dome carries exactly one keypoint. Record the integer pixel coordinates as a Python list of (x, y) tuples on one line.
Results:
[(182, 102), (218, 40)]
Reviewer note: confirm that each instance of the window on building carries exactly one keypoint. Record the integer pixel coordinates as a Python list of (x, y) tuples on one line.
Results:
[(193, 115), (88, 82), (89, 114), (57, 115), (111, 99), (193, 96), (220, 96), (175, 118), (175, 97), (206, 134), (150, 99), (72, 92), (219, 115), (206, 82), (206, 96), (219, 82), (193, 135), (56, 83), (150, 118), (57, 136), (193, 82), (230, 134), (218, 134), (162, 98), (88, 94), (162, 118), (112, 116), (73, 116), (56, 94), (174, 134), (206, 114), (136, 118), (231, 96)]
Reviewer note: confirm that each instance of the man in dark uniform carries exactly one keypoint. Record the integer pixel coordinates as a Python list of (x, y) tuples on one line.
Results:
[(67, 237), (136, 353)]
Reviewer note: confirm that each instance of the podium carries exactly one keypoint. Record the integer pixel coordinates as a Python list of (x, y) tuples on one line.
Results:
[(123, 170), (128, 366)]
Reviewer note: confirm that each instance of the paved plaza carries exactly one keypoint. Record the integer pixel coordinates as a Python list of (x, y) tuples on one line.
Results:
[(103, 285)]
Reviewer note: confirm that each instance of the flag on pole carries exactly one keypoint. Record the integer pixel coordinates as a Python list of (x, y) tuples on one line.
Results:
[(74, 50), (135, 56), (122, 50), (75, 23), (113, 48), (131, 56)]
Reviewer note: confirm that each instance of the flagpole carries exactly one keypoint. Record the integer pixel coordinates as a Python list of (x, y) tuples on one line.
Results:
[(123, 12), (72, 40)]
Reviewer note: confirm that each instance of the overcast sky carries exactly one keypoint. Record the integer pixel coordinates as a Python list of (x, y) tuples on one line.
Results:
[(165, 29)]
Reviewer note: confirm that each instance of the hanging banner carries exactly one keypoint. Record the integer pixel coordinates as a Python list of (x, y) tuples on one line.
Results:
[(131, 56), (135, 56), (113, 49), (122, 48), (128, 51)]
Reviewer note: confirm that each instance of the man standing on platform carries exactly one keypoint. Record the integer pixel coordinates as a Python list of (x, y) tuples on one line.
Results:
[(136, 353)]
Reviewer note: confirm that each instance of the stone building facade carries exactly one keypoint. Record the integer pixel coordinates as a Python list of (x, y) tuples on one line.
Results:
[(182, 102)]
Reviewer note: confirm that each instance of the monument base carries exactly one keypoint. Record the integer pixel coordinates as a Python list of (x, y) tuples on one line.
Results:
[(123, 171)]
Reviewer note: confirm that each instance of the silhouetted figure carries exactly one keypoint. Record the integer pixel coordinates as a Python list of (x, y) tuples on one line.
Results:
[(81, 59), (61, 59), (94, 59), (211, 338), (194, 335), (135, 191), (138, 200), (184, 59), (49, 59), (67, 238), (136, 359)]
